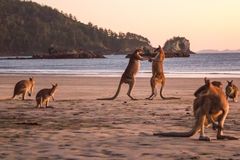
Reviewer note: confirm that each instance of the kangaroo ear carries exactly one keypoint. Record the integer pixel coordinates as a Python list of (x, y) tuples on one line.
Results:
[(207, 82), (56, 84), (230, 82), (137, 50)]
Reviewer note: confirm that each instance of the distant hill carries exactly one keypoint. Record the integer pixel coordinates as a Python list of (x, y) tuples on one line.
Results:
[(27, 28), (218, 51)]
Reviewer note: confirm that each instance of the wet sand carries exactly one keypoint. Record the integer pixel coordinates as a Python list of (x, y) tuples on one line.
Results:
[(77, 126)]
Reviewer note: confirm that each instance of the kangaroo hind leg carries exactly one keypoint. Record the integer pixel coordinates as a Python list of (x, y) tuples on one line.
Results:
[(131, 85), (154, 89), (202, 136)]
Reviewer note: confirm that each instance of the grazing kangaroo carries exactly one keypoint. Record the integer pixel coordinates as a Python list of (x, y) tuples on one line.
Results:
[(44, 95), (158, 74), (23, 87), (212, 106), (129, 74), (232, 91)]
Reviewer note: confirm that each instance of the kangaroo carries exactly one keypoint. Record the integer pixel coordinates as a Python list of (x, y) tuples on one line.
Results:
[(211, 105), (23, 87), (129, 74), (201, 91), (158, 76), (232, 91), (44, 95)]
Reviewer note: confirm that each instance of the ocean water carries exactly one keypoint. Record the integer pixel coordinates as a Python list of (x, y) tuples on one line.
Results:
[(198, 65)]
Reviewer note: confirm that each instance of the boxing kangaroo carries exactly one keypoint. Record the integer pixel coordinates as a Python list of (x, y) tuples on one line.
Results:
[(129, 74), (158, 76), (211, 106), (23, 87)]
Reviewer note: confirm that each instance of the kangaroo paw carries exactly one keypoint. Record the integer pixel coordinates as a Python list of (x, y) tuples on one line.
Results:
[(149, 98), (215, 126), (204, 138)]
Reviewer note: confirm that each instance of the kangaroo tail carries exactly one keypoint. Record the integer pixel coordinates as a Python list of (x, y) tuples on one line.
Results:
[(175, 134), (192, 132), (116, 94), (161, 95), (14, 94), (5, 99)]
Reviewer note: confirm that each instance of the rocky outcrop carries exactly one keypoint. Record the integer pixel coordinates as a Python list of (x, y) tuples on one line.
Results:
[(69, 55), (177, 47)]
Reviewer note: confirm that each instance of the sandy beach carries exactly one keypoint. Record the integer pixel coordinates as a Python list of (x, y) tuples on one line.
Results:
[(77, 126)]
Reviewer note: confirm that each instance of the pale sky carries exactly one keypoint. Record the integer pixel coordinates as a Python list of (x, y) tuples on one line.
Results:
[(208, 24)]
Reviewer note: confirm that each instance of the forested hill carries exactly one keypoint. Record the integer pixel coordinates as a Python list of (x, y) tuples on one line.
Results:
[(27, 28)]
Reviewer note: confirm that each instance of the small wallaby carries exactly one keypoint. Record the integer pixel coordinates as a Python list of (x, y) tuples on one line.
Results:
[(23, 87), (232, 91), (44, 95)]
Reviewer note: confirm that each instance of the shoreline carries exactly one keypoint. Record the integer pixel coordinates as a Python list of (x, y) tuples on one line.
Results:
[(139, 75), (197, 66)]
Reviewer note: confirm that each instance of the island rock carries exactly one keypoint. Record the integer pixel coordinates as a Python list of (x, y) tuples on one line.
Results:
[(177, 47)]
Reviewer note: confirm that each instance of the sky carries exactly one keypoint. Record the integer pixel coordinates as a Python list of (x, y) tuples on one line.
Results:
[(207, 24)]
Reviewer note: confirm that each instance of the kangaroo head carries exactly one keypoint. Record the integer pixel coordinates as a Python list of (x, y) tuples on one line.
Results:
[(207, 85), (32, 85), (158, 49), (160, 53), (31, 79), (137, 54), (230, 83), (206, 80), (54, 87), (211, 89)]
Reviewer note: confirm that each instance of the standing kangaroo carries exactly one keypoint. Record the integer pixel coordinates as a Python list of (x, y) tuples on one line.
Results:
[(129, 74), (44, 95), (23, 87), (196, 104), (158, 76), (232, 91), (211, 106)]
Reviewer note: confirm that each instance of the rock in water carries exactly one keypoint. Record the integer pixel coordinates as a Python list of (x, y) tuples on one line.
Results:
[(177, 47)]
